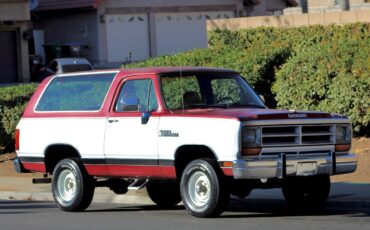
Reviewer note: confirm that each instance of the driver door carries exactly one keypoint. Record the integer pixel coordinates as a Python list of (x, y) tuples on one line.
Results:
[(130, 146)]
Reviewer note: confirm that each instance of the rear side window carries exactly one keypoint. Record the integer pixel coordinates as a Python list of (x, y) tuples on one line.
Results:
[(75, 93)]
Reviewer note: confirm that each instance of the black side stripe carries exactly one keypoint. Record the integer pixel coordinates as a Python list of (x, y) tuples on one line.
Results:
[(128, 162), (109, 161), (32, 159)]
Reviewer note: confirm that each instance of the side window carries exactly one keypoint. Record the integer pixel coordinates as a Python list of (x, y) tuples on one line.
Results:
[(76, 93), (136, 95)]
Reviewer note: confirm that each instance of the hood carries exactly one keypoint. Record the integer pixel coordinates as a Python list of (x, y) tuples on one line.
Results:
[(246, 114)]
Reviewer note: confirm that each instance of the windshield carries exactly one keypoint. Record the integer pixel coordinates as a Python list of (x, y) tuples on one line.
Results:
[(208, 90)]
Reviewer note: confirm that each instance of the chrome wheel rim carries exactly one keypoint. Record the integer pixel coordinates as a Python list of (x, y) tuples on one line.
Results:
[(67, 185), (199, 189)]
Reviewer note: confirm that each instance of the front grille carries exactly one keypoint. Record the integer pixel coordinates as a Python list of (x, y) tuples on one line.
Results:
[(293, 135)]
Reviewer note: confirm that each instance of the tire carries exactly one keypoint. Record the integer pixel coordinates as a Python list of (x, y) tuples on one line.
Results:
[(73, 189), (307, 192), (203, 188), (164, 193)]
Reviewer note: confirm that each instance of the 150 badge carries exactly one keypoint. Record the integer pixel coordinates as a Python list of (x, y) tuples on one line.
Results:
[(167, 133)]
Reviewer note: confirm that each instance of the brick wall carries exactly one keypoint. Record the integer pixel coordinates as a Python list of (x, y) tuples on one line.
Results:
[(293, 20)]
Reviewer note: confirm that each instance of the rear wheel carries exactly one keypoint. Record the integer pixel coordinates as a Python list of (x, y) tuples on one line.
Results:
[(312, 191), (165, 194), (203, 189), (72, 187)]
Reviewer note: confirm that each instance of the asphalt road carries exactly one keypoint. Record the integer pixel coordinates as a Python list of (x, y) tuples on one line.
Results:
[(242, 214)]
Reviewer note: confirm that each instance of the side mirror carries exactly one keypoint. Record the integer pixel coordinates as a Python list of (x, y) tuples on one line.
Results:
[(145, 117), (262, 98), (130, 104)]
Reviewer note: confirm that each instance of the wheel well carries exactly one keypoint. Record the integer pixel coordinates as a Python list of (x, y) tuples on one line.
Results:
[(56, 153), (185, 154)]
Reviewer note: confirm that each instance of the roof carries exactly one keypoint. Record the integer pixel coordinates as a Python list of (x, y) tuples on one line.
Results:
[(168, 70), (156, 70), (45, 5)]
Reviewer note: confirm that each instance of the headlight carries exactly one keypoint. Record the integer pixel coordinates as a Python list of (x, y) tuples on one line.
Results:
[(343, 134), (251, 138)]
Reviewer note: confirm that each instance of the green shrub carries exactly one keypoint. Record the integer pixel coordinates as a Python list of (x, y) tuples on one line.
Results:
[(332, 77), (13, 100)]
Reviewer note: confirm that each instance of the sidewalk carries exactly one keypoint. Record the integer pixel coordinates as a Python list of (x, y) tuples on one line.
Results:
[(21, 188), (344, 195)]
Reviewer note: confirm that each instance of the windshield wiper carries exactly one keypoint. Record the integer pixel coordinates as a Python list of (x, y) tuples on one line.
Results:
[(224, 106), (240, 105), (206, 106)]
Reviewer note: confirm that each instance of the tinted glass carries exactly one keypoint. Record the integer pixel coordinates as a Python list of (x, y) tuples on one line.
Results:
[(208, 90), (76, 93), (136, 92)]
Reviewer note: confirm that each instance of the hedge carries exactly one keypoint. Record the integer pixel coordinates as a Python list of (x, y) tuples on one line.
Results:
[(323, 68), (329, 77), (13, 100)]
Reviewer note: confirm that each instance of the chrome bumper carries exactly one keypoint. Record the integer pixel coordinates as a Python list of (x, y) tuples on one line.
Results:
[(284, 165)]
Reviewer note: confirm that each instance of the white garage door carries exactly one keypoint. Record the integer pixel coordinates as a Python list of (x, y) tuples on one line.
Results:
[(184, 31), (127, 37)]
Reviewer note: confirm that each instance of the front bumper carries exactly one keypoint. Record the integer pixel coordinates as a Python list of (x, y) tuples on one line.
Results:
[(285, 165)]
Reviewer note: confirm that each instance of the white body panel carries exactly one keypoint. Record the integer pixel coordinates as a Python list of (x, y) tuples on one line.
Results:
[(220, 135), (86, 135), (127, 138)]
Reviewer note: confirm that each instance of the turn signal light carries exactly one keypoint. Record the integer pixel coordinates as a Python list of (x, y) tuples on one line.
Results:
[(341, 148), (251, 151)]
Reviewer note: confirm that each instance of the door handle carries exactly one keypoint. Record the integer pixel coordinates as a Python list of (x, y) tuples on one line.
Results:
[(111, 121)]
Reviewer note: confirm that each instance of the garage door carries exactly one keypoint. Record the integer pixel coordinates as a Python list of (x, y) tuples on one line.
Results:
[(8, 57), (127, 37), (184, 31)]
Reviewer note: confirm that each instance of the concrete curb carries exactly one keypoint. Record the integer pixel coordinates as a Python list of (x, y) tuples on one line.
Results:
[(100, 196)]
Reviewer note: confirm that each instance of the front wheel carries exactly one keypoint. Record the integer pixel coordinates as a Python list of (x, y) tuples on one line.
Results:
[(303, 192), (165, 194), (203, 189), (72, 187)]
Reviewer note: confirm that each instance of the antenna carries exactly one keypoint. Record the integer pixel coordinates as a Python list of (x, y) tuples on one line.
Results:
[(181, 83)]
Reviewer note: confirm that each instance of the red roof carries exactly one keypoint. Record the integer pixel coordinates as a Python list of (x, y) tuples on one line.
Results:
[(45, 5)]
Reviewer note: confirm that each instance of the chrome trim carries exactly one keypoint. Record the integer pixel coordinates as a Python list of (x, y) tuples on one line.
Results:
[(297, 149), (285, 165)]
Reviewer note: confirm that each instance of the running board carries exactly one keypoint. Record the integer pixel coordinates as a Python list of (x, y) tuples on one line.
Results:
[(137, 184)]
